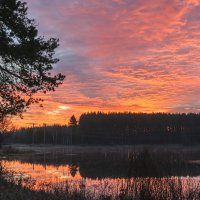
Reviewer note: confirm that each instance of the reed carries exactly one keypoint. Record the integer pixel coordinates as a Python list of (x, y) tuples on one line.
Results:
[(168, 188)]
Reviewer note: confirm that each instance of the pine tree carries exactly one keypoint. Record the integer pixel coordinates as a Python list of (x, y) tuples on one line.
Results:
[(26, 60), (72, 121)]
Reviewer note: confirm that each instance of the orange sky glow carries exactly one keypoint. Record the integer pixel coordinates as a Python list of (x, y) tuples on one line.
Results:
[(120, 55)]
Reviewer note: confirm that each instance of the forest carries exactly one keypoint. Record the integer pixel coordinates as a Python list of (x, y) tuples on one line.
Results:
[(115, 128)]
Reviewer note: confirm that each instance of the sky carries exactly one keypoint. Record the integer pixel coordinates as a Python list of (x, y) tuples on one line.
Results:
[(120, 55)]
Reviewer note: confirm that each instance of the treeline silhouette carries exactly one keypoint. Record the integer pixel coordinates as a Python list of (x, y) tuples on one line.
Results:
[(55, 134), (139, 128), (118, 128)]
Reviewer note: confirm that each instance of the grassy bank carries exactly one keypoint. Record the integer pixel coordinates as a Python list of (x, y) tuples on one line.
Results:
[(77, 149), (10, 191)]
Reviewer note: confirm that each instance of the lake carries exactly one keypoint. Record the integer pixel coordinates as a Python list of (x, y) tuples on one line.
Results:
[(107, 172)]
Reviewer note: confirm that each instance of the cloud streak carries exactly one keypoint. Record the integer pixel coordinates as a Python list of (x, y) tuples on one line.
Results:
[(139, 55)]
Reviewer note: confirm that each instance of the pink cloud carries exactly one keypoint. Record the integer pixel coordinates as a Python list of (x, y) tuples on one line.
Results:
[(122, 55)]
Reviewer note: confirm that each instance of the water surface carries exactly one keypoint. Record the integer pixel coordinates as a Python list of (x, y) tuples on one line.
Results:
[(107, 173)]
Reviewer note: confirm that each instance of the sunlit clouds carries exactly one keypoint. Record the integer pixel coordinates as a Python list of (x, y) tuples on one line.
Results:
[(121, 55)]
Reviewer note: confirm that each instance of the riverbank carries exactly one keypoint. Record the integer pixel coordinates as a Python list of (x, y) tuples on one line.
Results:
[(146, 190), (11, 191)]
